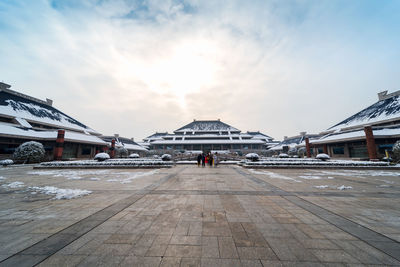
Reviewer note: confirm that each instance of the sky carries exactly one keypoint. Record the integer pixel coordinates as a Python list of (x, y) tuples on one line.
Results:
[(136, 67)]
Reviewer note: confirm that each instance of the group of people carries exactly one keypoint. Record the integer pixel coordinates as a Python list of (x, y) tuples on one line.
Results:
[(208, 158)]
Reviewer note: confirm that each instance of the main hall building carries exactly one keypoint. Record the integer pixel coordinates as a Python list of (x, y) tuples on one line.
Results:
[(209, 135)]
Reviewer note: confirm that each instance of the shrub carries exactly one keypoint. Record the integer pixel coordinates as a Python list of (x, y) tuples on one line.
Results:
[(101, 156), (301, 152), (134, 156), (292, 151), (252, 157), (6, 162), (121, 152), (29, 152), (283, 155), (166, 157), (323, 157), (396, 150)]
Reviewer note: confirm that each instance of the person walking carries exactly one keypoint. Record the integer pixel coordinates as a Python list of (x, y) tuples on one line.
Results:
[(198, 160), (215, 159), (203, 160), (210, 159)]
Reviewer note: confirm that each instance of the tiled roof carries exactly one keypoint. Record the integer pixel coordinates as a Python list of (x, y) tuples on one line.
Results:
[(13, 104), (381, 111), (207, 125)]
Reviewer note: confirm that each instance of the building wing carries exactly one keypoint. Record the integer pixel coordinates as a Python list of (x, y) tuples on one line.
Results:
[(385, 110), (29, 111)]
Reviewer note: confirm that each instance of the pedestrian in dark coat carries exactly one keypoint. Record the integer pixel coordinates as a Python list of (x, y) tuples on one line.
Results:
[(198, 160), (210, 159), (203, 160)]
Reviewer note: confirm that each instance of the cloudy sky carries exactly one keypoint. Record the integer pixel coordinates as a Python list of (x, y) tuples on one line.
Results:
[(136, 67)]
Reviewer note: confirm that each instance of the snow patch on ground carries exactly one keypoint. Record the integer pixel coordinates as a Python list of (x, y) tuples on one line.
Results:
[(274, 175), (343, 187), (385, 181), (2, 178), (310, 177), (14, 185), (321, 186), (95, 179), (60, 193), (132, 176), (358, 173)]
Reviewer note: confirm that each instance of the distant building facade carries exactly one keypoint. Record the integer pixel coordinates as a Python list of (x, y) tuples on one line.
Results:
[(208, 135), (292, 142), (24, 118), (127, 143), (367, 134)]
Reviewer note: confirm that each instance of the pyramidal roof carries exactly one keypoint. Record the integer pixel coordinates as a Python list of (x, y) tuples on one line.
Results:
[(206, 126), (386, 109)]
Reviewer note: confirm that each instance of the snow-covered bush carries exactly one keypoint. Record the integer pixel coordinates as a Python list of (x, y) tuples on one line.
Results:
[(29, 152), (6, 162), (121, 152), (134, 156), (323, 157), (101, 156), (292, 151), (166, 157), (283, 155), (252, 157), (396, 150), (301, 152), (387, 159)]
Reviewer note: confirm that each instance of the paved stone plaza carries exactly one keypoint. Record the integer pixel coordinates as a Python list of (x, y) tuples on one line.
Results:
[(190, 216)]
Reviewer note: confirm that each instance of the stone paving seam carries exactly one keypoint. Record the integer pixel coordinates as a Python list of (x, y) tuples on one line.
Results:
[(383, 243), (43, 249)]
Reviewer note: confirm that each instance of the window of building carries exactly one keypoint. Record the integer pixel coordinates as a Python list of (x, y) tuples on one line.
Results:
[(338, 150), (86, 150), (196, 147)]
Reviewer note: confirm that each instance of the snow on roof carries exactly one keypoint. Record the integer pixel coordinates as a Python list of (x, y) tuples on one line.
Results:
[(357, 135), (207, 125), (155, 135), (259, 134), (23, 122), (16, 105), (134, 147), (281, 145), (8, 130), (211, 141), (124, 142), (383, 110)]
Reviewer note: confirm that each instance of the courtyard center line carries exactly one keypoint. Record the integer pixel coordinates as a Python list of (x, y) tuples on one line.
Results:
[(383, 243), (40, 251)]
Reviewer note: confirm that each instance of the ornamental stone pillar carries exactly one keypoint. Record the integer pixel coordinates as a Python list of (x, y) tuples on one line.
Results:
[(308, 148), (58, 150), (112, 149), (369, 135)]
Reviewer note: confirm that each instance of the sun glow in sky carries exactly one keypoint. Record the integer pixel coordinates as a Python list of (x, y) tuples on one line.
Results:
[(135, 67), (187, 68)]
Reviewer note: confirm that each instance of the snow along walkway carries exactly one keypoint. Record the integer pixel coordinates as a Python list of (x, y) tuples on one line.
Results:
[(110, 163)]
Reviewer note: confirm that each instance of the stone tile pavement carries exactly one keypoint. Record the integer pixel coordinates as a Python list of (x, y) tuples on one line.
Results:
[(190, 216)]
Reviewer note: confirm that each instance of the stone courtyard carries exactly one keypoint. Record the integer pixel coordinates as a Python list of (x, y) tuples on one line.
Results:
[(190, 216)]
